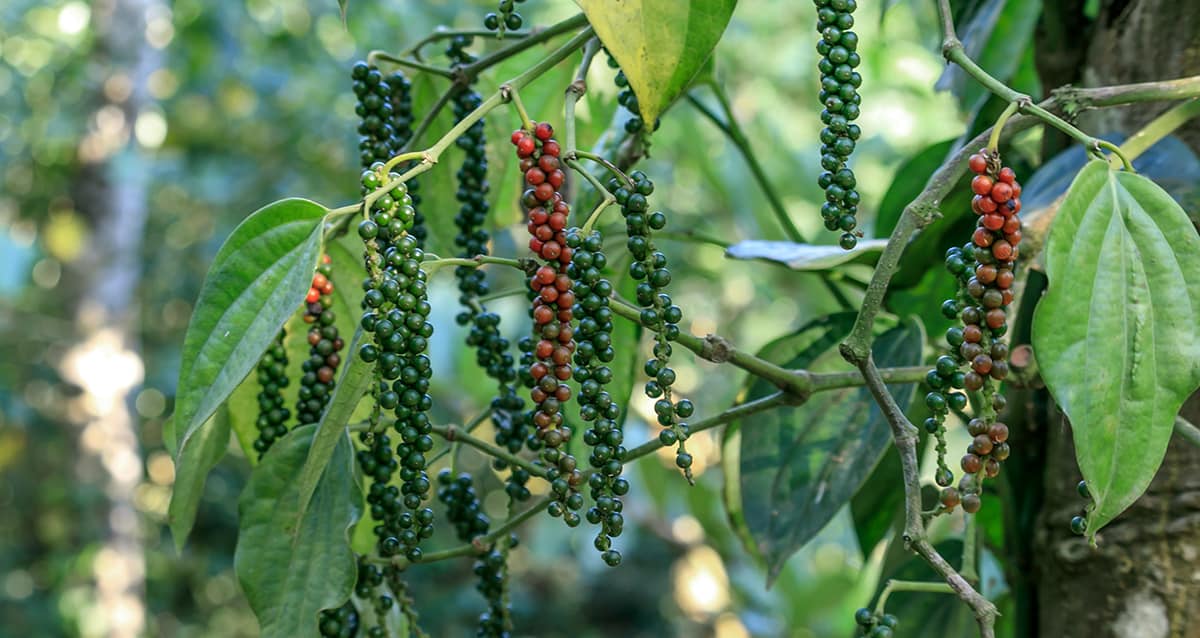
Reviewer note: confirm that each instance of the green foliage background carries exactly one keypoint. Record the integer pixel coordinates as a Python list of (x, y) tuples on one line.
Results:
[(252, 104)]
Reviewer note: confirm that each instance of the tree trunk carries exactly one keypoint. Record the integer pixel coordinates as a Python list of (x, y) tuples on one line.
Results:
[(1143, 580), (110, 189)]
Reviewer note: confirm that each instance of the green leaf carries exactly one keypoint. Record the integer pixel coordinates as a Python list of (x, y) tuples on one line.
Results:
[(805, 257), (345, 257), (908, 183), (259, 277), (797, 466), (660, 44), (293, 564), (436, 188), (878, 503), (1115, 336), (350, 387)]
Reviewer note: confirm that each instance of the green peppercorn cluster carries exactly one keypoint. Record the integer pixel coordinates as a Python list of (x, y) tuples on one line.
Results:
[(339, 623), (873, 625), (385, 110), (594, 351), (396, 311), (272, 379), (316, 382), (839, 95), (491, 348), (504, 18), (466, 515), (649, 269)]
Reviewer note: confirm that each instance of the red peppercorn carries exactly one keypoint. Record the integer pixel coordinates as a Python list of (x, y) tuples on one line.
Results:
[(1001, 192), (543, 315), (1002, 250), (526, 147), (982, 238), (534, 176), (543, 131), (971, 463), (977, 162), (993, 222), (551, 148), (1007, 175), (517, 135), (981, 184), (313, 295)]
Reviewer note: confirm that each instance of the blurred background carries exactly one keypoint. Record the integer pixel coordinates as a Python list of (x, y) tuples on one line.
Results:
[(135, 134)]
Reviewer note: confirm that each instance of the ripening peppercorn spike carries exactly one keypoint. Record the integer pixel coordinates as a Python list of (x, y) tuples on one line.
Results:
[(984, 269), (548, 351)]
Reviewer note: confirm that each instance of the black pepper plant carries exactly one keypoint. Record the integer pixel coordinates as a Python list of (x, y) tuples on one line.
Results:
[(367, 432)]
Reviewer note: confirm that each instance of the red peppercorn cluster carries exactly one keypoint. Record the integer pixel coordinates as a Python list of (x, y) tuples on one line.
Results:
[(994, 245), (316, 385), (552, 314), (997, 202)]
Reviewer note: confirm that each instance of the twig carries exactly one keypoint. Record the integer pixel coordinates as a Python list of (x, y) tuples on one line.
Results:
[(1185, 429), (953, 51), (730, 127), (893, 586), (1160, 127)]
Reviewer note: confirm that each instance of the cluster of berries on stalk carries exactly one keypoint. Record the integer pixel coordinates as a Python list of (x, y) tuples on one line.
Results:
[(627, 99), (594, 352), (339, 623), (872, 625), (658, 313), (316, 384), (552, 343), (395, 315), (985, 272), (385, 112), (504, 18), (465, 513), (273, 415), (839, 97), (491, 348)]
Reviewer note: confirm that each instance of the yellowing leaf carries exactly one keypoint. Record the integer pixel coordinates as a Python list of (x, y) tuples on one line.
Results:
[(660, 44)]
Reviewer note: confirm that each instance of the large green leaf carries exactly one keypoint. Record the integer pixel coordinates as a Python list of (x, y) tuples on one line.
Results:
[(660, 44), (798, 466), (346, 259), (293, 565), (1116, 335), (259, 277), (878, 503)]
